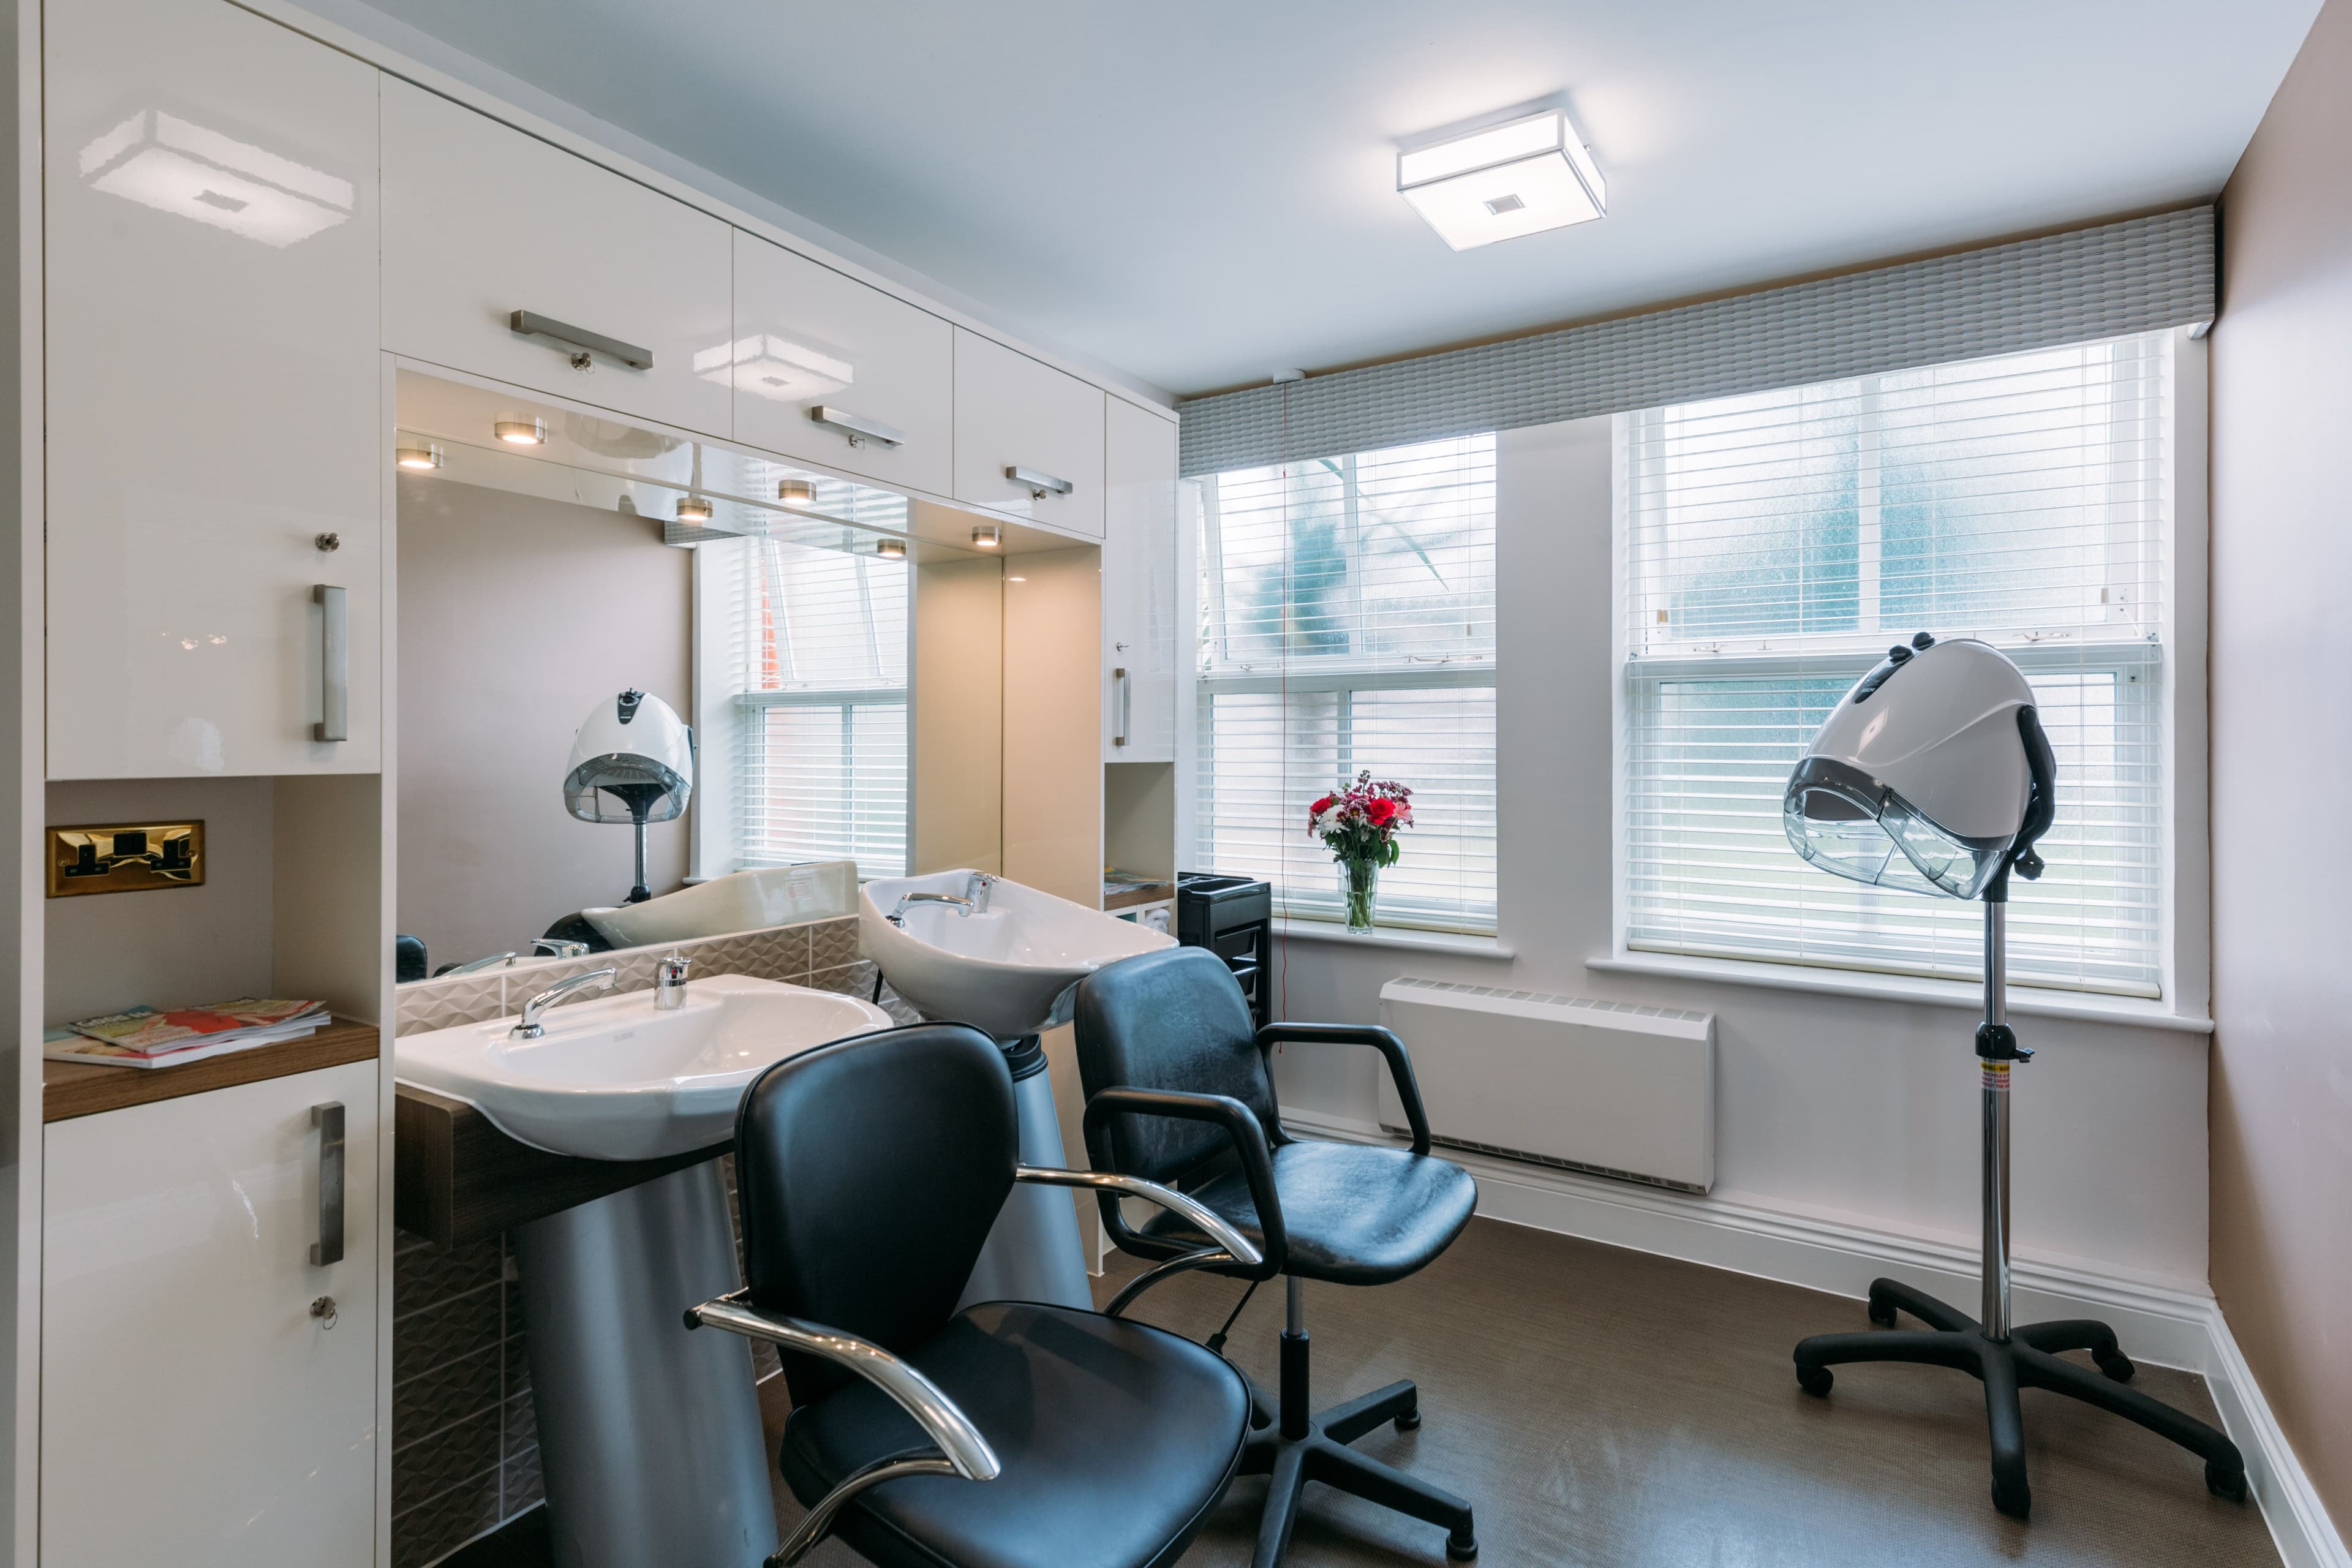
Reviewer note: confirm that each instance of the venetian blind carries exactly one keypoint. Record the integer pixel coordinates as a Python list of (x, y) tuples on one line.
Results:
[(821, 742), (1777, 543), (1348, 624)]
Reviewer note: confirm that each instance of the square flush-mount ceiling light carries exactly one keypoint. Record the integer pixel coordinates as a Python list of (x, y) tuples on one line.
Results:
[(1521, 177)]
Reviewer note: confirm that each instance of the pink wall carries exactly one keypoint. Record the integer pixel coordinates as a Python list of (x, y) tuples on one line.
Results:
[(2282, 758)]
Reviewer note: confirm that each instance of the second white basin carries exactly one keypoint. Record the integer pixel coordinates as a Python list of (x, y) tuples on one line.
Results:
[(615, 1079), (742, 900), (1009, 972)]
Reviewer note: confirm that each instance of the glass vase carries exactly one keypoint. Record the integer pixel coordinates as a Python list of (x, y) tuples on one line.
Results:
[(1363, 892)]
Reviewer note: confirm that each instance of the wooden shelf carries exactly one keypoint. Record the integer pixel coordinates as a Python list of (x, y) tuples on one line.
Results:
[(1128, 895), (81, 1089)]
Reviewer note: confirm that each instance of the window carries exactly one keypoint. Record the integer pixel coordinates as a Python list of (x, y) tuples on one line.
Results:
[(815, 649), (1775, 544), (1348, 623)]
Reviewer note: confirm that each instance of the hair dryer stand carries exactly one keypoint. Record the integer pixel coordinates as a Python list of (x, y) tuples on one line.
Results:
[(2005, 1359)]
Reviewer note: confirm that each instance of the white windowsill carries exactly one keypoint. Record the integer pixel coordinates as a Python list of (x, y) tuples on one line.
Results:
[(2024, 1000), (1399, 938)]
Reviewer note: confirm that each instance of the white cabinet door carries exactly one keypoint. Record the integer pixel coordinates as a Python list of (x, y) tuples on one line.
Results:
[(1011, 411), (481, 221), (808, 338), (1139, 586), (214, 391), (194, 1410)]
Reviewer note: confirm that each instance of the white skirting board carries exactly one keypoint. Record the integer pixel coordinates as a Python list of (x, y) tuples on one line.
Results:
[(2164, 1323)]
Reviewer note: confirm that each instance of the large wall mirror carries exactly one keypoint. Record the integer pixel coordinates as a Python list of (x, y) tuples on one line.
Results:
[(566, 584)]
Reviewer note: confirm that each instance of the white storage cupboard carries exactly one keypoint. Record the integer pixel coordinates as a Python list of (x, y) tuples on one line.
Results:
[(1141, 639), (627, 294), (832, 372), (214, 397), (208, 1391), (1028, 439)]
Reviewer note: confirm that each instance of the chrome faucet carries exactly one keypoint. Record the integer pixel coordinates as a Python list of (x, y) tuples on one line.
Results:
[(529, 1027), (897, 917), (974, 900), (476, 965), (669, 983)]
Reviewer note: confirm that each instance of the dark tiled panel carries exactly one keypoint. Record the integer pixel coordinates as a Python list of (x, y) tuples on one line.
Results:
[(519, 1425), (430, 1275), (445, 1394), (899, 1008), (439, 1525), (425, 1470), (833, 944), (524, 1486), (855, 979), (438, 1334)]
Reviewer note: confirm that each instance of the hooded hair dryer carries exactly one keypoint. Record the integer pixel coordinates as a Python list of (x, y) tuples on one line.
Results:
[(632, 762), (1933, 776)]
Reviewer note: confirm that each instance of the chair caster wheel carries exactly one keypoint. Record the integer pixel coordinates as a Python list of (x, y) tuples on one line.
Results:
[(2118, 1367), (1882, 1313), (2229, 1484), (1815, 1380), (1409, 1422), (2016, 1502), (1462, 1549)]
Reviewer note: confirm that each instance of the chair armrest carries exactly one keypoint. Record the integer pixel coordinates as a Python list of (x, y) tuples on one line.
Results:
[(913, 1392), (1241, 1125), (1198, 1215), (1382, 1040)]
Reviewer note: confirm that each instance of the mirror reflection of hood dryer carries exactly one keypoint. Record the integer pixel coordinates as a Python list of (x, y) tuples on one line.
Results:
[(632, 762), (1933, 776)]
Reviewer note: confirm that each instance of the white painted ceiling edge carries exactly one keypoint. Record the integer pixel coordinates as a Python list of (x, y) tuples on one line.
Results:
[(398, 47), (1204, 193)]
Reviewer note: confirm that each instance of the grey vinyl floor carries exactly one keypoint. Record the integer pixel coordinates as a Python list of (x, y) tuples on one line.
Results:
[(1611, 1408)]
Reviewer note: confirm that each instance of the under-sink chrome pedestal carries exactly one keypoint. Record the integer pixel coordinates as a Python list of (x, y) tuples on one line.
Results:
[(1005, 958), (1034, 1252), (648, 1433)]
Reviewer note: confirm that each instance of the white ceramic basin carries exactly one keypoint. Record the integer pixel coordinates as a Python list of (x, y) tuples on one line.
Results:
[(742, 900), (1009, 972), (614, 1079)]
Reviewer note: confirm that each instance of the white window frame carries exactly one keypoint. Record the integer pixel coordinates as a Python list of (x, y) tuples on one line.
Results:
[(1214, 676), (2185, 879), (728, 716)]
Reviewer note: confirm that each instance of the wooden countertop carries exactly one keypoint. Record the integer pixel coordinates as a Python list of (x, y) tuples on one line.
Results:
[(82, 1089), (456, 1178)]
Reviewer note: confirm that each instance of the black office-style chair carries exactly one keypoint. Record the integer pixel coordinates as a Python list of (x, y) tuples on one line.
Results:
[(1011, 1434), (1176, 1079)]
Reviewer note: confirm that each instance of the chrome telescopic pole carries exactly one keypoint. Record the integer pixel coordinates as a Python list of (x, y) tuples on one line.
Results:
[(1996, 1127)]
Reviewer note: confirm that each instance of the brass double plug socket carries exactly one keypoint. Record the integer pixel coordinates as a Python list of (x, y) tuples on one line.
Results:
[(125, 857)]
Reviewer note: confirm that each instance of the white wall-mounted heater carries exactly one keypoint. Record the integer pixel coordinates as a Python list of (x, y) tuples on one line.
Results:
[(1605, 1088)]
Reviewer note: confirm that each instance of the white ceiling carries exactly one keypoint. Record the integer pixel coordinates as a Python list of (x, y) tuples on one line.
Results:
[(1202, 191)]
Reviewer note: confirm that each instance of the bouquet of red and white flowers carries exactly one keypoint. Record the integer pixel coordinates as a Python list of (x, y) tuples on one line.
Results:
[(1359, 823)]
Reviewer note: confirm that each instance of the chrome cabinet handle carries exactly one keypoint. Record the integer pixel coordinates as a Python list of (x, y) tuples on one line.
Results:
[(329, 1119), (334, 663), (531, 324), (1037, 482), (859, 431), (1126, 704)]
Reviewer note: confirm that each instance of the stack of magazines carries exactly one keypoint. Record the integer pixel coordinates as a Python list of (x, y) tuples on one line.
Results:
[(145, 1038)]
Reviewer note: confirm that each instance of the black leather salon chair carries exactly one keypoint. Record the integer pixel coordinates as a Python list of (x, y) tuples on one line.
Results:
[(1011, 1434), (1179, 1090)]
